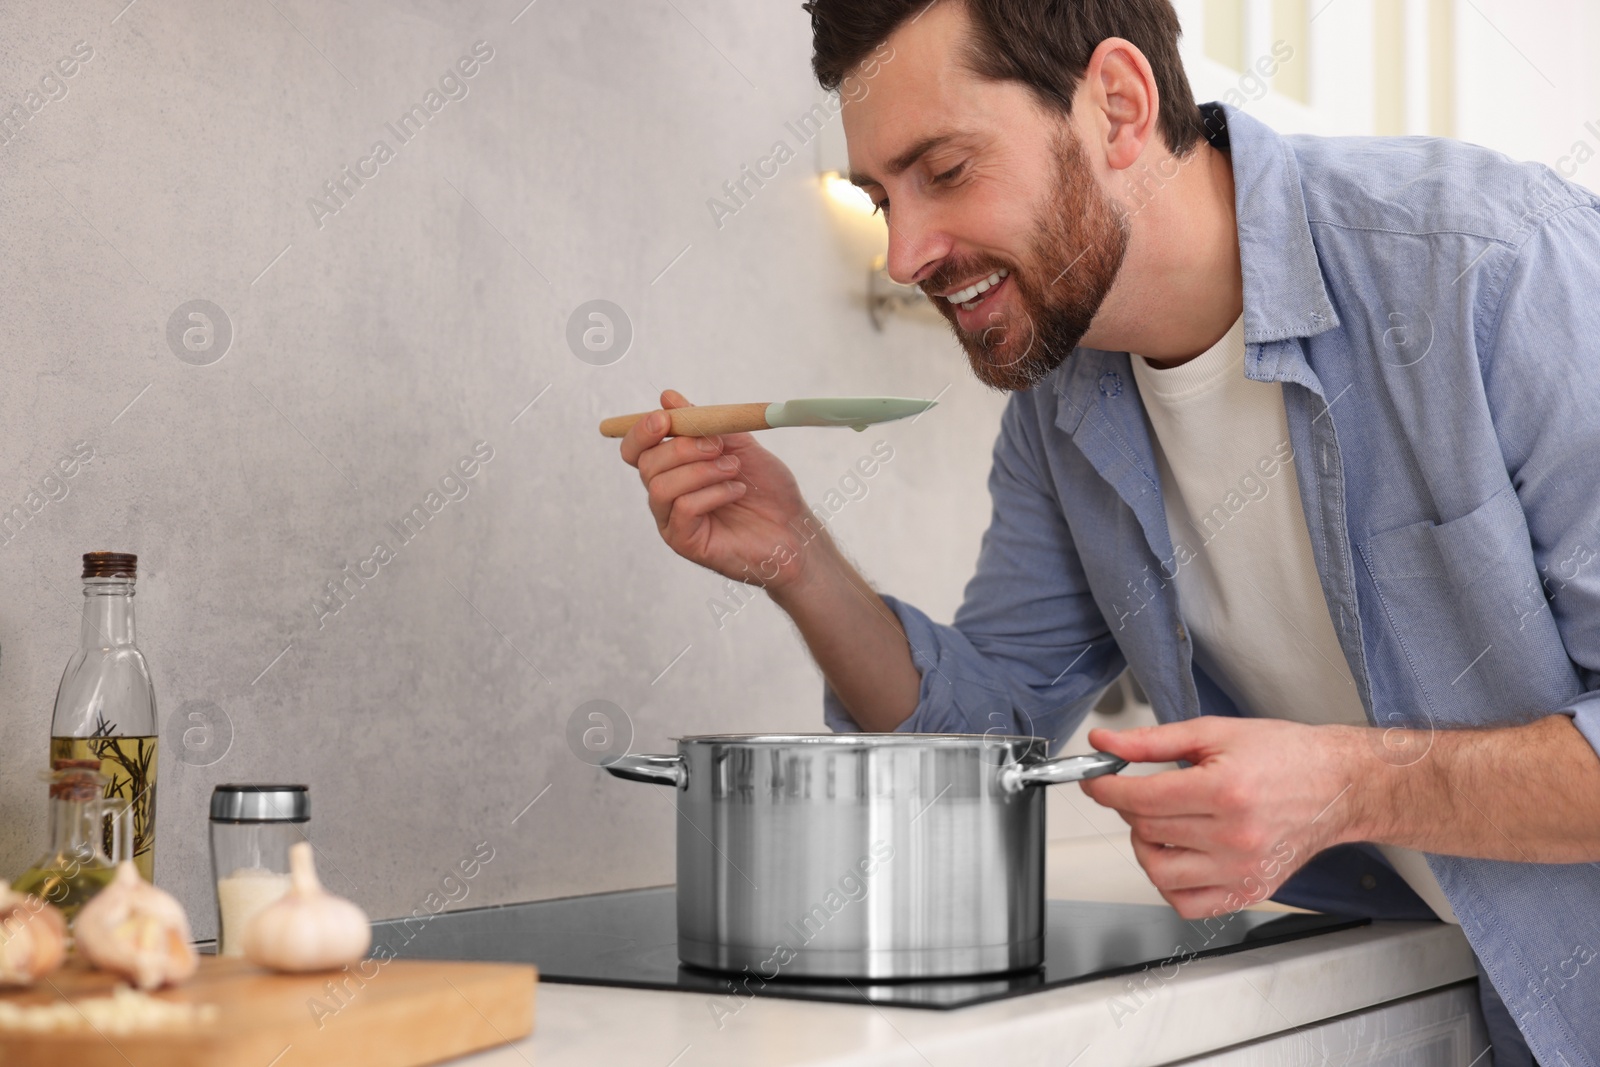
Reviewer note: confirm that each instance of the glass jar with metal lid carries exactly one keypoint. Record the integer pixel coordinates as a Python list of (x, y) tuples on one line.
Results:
[(252, 827)]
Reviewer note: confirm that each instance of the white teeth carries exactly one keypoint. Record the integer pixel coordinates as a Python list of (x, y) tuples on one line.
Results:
[(977, 288)]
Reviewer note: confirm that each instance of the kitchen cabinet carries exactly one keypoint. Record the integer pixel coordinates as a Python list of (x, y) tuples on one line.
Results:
[(1439, 1029)]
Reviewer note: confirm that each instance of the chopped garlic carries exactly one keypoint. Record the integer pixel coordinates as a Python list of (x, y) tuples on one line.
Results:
[(125, 1011)]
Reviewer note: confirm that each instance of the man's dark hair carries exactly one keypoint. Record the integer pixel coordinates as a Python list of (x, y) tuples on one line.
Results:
[(1044, 44)]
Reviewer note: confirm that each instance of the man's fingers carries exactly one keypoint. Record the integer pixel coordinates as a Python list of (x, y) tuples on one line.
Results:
[(672, 400), (1191, 882), (1207, 903), (1173, 868), (666, 488), (643, 436), (1188, 740), (733, 443), (650, 430), (1189, 791), (677, 452), (1184, 831), (691, 507)]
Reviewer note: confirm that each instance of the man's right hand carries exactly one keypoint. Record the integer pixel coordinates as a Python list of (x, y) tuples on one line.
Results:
[(724, 502), (728, 504)]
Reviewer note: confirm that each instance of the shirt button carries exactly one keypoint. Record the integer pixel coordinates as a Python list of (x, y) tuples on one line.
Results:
[(1183, 634), (1368, 882)]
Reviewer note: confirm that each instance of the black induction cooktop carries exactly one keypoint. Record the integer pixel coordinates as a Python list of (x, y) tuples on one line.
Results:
[(631, 939)]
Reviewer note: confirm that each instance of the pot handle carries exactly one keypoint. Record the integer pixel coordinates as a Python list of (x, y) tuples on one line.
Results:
[(656, 770), (1016, 777)]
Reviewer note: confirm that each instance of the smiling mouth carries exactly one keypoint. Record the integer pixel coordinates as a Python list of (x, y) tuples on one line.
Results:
[(970, 297)]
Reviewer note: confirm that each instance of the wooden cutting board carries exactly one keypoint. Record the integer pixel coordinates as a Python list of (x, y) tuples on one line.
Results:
[(410, 1012)]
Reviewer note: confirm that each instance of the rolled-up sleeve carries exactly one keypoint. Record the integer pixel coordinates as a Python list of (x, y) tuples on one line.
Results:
[(1029, 651), (1542, 376)]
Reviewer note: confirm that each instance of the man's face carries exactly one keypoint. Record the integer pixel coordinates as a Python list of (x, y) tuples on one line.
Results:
[(982, 186)]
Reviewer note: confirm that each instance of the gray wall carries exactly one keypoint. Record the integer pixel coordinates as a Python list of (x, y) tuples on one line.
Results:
[(369, 353)]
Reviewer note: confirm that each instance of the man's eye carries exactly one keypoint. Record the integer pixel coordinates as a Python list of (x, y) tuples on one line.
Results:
[(949, 175), (881, 206)]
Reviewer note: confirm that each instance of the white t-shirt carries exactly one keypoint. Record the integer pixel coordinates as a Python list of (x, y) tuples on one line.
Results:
[(1250, 596)]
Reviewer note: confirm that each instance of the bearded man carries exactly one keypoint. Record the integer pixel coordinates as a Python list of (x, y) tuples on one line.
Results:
[(1302, 431)]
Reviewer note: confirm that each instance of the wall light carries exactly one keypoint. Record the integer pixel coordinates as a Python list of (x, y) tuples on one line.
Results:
[(846, 193), (854, 209), (884, 295)]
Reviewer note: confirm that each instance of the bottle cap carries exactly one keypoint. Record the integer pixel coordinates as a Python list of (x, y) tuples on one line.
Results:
[(260, 803), (110, 565)]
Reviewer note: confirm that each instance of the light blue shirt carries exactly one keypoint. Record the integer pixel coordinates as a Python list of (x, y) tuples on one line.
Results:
[(1433, 312)]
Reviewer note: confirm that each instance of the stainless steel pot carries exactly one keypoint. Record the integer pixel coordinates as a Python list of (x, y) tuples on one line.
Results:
[(861, 855)]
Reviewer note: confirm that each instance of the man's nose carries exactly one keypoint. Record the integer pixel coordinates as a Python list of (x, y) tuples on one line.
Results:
[(916, 246)]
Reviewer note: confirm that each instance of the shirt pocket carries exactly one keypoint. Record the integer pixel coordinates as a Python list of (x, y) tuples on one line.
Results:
[(1464, 603)]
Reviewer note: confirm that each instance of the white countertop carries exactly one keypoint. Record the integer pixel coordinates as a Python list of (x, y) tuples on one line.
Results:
[(1206, 1005)]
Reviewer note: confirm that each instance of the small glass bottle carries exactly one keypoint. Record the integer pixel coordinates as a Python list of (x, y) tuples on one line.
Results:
[(76, 865), (105, 707), (252, 827)]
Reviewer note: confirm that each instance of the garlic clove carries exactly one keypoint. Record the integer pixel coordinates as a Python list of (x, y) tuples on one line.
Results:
[(308, 928), (33, 938), (133, 929)]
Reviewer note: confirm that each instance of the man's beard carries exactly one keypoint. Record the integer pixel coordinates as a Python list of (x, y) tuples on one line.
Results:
[(1081, 239)]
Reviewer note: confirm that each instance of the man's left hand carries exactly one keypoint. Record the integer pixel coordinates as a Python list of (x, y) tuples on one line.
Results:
[(1261, 798)]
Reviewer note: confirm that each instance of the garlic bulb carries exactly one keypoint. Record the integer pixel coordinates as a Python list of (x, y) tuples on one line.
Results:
[(133, 929), (33, 938), (308, 928)]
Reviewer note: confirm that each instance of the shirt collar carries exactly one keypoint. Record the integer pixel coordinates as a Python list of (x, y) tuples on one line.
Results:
[(1283, 292)]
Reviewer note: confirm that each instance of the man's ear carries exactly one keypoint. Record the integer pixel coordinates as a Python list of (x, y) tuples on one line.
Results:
[(1120, 89)]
